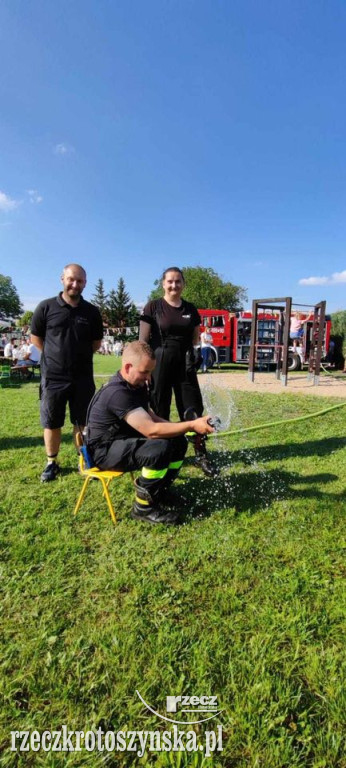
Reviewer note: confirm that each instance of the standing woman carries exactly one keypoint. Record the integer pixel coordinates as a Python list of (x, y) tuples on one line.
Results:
[(206, 342), (171, 326)]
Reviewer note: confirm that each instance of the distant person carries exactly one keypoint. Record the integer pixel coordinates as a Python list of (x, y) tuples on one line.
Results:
[(206, 342), (297, 326), (8, 349), (171, 326), (117, 348), (330, 358), (22, 350), (16, 353), (124, 433), (31, 355), (67, 330)]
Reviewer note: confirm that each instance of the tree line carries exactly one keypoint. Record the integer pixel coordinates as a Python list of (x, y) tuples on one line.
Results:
[(116, 307), (204, 288)]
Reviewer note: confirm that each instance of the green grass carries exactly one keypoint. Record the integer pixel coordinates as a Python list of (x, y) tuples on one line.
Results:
[(245, 601), (106, 365)]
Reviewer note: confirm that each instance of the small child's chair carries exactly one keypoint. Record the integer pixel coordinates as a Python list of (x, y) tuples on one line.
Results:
[(90, 472)]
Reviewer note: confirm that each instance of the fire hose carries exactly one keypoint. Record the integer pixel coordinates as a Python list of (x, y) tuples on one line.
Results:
[(216, 423)]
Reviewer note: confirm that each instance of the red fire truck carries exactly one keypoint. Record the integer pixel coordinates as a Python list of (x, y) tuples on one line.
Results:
[(231, 334)]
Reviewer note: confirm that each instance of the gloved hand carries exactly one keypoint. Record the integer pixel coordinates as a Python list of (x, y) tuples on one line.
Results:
[(193, 360)]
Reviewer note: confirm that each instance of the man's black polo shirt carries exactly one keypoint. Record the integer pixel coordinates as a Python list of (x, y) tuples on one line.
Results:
[(110, 405), (68, 334)]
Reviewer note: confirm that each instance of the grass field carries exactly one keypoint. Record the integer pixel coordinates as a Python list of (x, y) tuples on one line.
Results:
[(244, 601)]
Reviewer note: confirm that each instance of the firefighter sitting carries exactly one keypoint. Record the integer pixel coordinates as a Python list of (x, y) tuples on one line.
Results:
[(124, 434)]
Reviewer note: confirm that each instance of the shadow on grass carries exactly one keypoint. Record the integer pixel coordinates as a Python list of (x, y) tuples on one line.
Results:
[(249, 455), (255, 491), (323, 447), (28, 441)]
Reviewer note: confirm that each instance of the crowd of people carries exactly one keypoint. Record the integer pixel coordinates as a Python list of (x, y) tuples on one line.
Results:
[(19, 353), (110, 347)]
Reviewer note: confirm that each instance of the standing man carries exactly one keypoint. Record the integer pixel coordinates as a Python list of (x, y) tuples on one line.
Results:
[(123, 433), (8, 350), (68, 330)]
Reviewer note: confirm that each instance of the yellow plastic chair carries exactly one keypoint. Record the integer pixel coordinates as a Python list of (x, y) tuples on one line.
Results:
[(93, 473)]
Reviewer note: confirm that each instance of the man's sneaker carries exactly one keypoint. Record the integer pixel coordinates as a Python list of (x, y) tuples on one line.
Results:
[(156, 515), (206, 466), (50, 472)]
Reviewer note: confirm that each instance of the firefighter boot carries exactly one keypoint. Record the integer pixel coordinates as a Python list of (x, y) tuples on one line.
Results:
[(199, 443), (201, 457), (149, 510)]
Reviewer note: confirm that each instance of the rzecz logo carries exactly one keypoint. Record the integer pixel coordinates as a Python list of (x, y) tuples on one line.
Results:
[(206, 707)]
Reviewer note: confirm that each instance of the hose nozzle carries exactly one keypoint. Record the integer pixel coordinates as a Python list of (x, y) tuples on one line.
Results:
[(215, 422)]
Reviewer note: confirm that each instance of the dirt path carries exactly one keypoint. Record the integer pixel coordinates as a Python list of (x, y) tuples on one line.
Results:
[(267, 383)]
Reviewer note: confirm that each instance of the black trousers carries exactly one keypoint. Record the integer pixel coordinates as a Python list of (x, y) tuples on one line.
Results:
[(170, 375), (128, 454)]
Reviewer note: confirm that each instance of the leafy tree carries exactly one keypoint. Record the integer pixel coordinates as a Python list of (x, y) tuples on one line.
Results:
[(338, 330), (206, 289), (120, 305), (10, 304), (100, 299), (339, 323), (25, 319)]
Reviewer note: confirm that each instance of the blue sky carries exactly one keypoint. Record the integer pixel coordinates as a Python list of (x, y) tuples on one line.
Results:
[(135, 135)]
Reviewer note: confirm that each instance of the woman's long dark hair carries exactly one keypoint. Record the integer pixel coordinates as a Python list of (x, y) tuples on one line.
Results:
[(173, 269)]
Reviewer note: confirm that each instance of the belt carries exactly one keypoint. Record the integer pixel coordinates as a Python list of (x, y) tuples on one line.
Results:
[(174, 343)]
